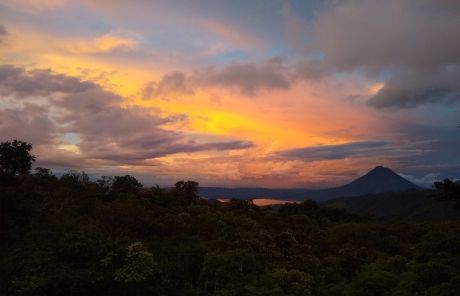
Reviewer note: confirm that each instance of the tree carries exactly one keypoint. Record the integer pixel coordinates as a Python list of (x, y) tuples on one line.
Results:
[(44, 178), (15, 158), (74, 179), (294, 282), (126, 184), (188, 189), (283, 282), (139, 265), (374, 282), (43, 173), (448, 190)]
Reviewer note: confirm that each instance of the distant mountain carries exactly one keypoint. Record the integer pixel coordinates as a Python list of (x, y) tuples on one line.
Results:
[(378, 180)]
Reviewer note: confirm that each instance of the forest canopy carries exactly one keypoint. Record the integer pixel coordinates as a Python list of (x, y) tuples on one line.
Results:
[(71, 235)]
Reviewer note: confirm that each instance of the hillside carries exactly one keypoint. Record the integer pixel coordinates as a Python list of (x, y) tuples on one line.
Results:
[(72, 236), (416, 205), (378, 180)]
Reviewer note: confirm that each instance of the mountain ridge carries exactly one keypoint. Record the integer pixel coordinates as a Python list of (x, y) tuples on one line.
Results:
[(378, 180)]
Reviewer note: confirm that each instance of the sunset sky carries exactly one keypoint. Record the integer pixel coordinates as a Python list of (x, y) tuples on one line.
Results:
[(265, 93)]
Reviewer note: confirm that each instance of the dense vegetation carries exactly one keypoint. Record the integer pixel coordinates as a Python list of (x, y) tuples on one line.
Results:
[(411, 205), (73, 236)]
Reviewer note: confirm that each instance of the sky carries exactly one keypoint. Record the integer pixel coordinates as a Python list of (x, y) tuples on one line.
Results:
[(253, 93)]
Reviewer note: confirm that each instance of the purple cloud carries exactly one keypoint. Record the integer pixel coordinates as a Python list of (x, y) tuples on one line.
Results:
[(106, 130)]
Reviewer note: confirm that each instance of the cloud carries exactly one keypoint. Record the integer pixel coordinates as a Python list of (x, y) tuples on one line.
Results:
[(3, 31), (248, 78), (380, 34), (19, 82), (440, 146), (136, 151), (232, 35), (414, 44), (359, 149), (296, 29), (413, 89), (309, 69), (33, 6), (30, 123), (108, 133), (426, 180), (119, 41), (415, 55), (171, 83), (90, 101), (353, 149)]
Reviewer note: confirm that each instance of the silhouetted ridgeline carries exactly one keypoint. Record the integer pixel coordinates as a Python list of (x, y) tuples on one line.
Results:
[(378, 180), (416, 205), (74, 236)]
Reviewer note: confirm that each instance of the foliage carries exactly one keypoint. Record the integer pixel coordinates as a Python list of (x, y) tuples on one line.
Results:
[(126, 184), (187, 189), (15, 159), (75, 236), (411, 205), (448, 190), (139, 265)]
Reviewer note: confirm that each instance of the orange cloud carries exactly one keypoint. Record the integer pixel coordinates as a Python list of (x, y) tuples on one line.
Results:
[(116, 41)]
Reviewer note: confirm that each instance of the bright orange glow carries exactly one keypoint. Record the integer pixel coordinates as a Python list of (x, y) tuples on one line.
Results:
[(375, 88), (271, 119)]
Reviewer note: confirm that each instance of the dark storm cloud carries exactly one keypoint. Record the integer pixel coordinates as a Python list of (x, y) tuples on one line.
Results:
[(417, 37), (412, 89), (403, 97), (106, 130)]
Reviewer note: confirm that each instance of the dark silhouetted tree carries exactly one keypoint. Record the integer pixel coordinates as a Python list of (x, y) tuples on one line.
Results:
[(188, 189), (448, 190), (126, 184), (74, 178), (15, 159)]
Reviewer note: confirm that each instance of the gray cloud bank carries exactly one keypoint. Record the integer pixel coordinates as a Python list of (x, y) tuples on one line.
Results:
[(413, 44), (360, 149), (41, 106), (249, 78)]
